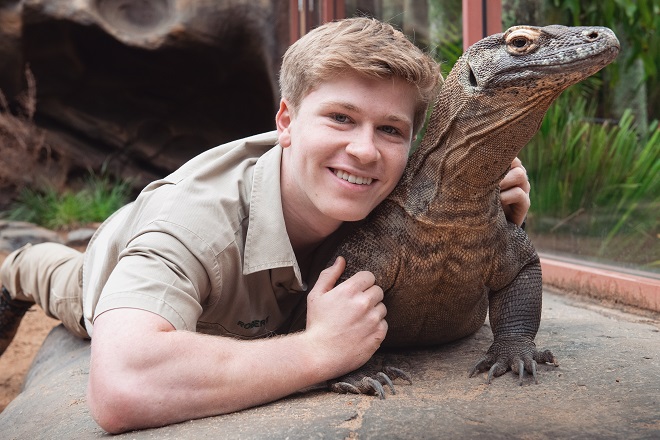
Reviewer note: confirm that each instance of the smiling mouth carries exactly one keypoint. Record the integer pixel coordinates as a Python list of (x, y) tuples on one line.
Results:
[(358, 180)]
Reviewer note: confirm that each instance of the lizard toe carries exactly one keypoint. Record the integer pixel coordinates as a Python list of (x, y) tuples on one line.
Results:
[(546, 357), (384, 379), (397, 373), (482, 364), (532, 367), (344, 388), (372, 386), (496, 370), (518, 367), (369, 380), (367, 385)]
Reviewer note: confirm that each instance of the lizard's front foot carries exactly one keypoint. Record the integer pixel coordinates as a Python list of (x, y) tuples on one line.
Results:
[(368, 379), (517, 354)]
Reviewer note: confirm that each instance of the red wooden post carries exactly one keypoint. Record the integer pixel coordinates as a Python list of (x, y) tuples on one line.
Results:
[(480, 19), (302, 17), (332, 10), (294, 21)]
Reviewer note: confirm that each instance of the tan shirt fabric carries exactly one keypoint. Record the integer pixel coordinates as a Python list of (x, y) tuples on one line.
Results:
[(206, 248)]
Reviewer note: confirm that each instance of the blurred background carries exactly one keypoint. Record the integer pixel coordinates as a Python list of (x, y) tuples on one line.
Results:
[(99, 97)]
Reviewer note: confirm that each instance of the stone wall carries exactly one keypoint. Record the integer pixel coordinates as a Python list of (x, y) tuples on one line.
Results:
[(143, 86)]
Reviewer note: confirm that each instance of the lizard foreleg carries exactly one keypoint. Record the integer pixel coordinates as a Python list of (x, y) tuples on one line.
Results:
[(515, 314)]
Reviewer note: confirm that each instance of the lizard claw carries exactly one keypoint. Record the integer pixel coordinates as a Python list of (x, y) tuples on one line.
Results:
[(366, 381), (384, 379), (396, 373), (366, 385), (495, 371), (482, 364), (520, 368), (513, 354)]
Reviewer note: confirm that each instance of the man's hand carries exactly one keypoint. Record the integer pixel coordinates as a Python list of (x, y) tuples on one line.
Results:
[(514, 193), (346, 322)]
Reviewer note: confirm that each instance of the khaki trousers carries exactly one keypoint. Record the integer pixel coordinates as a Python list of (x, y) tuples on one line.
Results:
[(50, 275)]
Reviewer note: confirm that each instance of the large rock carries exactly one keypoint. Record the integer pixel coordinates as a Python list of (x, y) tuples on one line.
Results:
[(14, 234), (607, 387), (146, 84)]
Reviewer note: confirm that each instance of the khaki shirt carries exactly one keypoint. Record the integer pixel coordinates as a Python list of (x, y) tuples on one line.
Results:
[(206, 248)]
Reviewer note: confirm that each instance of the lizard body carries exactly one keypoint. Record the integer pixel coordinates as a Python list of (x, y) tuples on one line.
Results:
[(440, 245)]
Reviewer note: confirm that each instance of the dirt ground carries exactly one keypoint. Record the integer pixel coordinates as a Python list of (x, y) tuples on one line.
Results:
[(15, 362)]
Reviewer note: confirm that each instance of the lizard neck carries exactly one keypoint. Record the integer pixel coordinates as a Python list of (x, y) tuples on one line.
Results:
[(485, 133), (490, 106), (468, 148)]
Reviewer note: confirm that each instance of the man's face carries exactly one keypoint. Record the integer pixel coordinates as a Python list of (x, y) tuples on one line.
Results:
[(345, 147)]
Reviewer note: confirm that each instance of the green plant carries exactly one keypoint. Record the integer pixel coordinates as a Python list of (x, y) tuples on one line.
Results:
[(99, 197), (638, 66), (595, 179)]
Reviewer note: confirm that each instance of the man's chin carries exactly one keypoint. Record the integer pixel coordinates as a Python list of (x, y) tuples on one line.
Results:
[(352, 216), (348, 210)]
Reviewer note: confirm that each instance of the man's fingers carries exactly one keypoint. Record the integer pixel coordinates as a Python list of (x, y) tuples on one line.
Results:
[(515, 195), (360, 282), (328, 278), (330, 275), (376, 293), (381, 310), (516, 177)]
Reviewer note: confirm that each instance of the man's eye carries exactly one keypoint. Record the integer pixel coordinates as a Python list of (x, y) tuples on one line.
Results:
[(390, 130), (340, 118)]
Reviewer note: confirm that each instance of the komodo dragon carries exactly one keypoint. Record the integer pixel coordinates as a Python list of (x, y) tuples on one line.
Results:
[(439, 245)]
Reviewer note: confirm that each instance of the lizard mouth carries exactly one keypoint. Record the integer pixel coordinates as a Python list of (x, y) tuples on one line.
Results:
[(352, 178)]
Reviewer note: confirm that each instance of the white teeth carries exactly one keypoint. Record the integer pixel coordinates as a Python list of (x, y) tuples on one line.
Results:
[(353, 179)]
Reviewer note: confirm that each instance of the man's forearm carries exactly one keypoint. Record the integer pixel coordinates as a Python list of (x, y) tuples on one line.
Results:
[(171, 376), (144, 374)]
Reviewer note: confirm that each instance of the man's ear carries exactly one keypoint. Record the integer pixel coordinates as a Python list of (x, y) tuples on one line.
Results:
[(283, 123)]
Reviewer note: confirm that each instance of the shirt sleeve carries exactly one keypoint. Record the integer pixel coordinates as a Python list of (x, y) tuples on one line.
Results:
[(158, 273)]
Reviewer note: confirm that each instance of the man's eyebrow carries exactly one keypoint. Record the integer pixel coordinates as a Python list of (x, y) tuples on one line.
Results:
[(352, 107), (346, 105)]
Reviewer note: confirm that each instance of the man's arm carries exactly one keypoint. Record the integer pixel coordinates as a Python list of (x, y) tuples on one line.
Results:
[(514, 193), (145, 374)]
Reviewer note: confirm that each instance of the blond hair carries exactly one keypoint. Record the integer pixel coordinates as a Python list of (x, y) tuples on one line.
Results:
[(363, 45)]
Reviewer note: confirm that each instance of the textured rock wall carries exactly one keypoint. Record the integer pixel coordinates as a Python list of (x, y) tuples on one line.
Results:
[(144, 85)]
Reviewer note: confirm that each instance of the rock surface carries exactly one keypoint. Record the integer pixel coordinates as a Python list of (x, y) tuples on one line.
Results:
[(608, 386), (14, 234)]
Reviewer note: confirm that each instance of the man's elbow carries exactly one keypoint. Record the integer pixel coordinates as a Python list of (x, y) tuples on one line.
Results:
[(113, 405)]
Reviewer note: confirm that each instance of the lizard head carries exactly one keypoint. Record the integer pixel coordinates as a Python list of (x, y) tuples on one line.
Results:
[(494, 99), (496, 95), (526, 61)]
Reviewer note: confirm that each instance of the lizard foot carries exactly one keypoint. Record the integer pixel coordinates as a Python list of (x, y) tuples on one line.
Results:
[(516, 354), (368, 380)]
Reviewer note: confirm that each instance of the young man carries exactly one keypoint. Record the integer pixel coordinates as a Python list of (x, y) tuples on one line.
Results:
[(179, 288)]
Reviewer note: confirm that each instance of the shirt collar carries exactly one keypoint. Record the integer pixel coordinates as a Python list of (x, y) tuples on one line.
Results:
[(267, 245)]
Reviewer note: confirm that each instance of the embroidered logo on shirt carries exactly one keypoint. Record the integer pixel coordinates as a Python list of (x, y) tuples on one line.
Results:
[(253, 324)]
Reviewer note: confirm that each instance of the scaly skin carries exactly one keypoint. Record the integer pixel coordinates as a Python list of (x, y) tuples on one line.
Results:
[(439, 245)]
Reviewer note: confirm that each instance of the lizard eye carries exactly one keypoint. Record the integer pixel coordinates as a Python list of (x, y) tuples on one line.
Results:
[(519, 42)]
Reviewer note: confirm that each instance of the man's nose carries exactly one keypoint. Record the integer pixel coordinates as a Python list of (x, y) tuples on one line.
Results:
[(363, 147)]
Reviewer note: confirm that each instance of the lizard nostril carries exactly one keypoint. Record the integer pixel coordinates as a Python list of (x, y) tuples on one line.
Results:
[(473, 79), (592, 35)]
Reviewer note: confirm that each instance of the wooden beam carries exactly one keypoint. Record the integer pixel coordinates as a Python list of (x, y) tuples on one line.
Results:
[(294, 21), (481, 18)]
